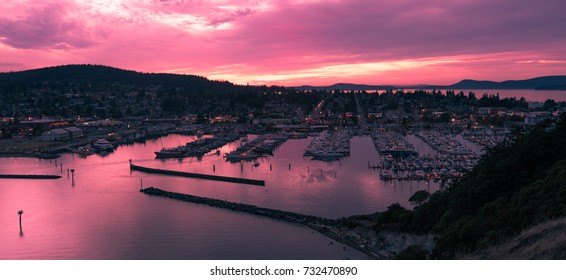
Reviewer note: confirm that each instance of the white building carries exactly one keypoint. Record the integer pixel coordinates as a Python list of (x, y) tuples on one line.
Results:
[(58, 134), (62, 134)]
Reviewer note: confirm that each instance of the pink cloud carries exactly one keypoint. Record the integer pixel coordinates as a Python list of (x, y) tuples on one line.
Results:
[(45, 25), (293, 42)]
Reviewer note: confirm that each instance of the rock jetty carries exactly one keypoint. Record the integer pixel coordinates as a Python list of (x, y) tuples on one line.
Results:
[(329, 227)]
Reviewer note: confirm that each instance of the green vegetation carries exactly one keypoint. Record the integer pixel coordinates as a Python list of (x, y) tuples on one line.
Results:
[(419, 197), (518, 184), (412, 253), (106, 92)]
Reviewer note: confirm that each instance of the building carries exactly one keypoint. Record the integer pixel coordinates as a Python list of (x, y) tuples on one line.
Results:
[(536, 117), (62, 134), (484, 111), (273, 121), (57, 134), (74, 132), (535, 105)]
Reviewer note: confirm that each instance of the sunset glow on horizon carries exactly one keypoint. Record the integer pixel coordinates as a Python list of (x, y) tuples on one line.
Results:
[(292, 43)]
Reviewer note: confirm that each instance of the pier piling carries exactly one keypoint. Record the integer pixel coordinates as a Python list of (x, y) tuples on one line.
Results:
[(289, 167), (214, 168), (270, 168), (20, 212)]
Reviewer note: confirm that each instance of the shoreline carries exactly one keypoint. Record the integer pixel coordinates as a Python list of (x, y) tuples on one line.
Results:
[(327, 227)]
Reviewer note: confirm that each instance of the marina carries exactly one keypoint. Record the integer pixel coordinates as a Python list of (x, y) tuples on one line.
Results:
[(251, 132), (392, 143), (450, 157), (139, 220), (329, 145), (199, 147), (262, 146), (303, 173)]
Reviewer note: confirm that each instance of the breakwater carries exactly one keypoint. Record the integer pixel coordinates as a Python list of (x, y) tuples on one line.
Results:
[(241, 207), (22, 176), (198, 175), (329, 227)]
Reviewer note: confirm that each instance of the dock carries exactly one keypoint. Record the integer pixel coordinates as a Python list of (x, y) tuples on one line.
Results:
[(28, 176), (198, 175)]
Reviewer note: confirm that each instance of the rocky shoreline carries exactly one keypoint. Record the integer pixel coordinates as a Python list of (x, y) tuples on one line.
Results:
[(328, 227)]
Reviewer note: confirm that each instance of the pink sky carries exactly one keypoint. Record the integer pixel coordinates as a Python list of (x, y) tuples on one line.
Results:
[(292, 42)]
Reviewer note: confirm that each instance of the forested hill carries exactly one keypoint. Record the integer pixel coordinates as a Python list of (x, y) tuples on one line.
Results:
[(540, 83), (517, 185), (104, 75), (546, 82)]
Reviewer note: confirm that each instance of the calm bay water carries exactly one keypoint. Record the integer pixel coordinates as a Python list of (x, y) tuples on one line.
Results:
[(102, 215)]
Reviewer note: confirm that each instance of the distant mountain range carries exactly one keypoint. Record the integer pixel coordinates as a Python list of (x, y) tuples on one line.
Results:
[(343, 86), (539, 83), (97, 74), (546, 82)]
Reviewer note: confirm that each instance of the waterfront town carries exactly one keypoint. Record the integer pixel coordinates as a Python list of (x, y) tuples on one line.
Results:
[(420, 135), (457, 127)]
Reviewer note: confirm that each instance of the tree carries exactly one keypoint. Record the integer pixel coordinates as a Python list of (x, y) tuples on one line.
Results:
[(16, 119), (549, 105), (412, 253), (419, 197)]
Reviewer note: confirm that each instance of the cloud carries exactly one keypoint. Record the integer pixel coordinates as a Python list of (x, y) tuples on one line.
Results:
[(47, 25), (279, 41), (231, 17), (404, 29)]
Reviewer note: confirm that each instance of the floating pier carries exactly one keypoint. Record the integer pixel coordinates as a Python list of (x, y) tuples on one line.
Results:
[(22, 176), (198, 175)]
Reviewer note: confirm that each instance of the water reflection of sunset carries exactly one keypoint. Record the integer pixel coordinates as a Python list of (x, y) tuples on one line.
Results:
[(104, 204)]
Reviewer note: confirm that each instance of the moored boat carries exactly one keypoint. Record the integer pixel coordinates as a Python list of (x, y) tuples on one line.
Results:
[(102, 145), (236, 156), (170, 152)]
